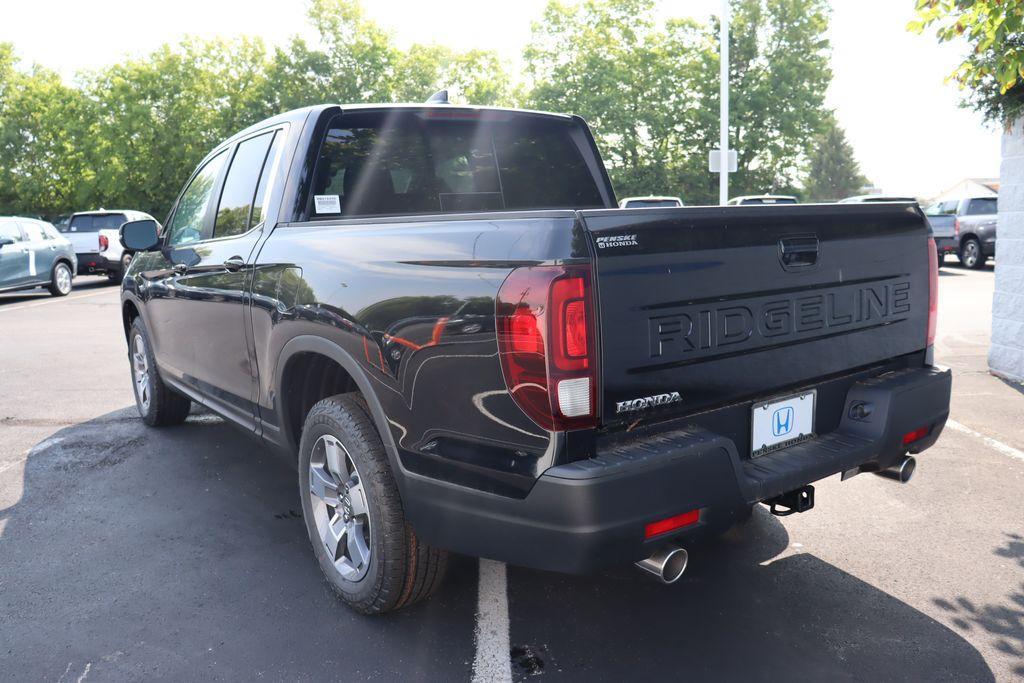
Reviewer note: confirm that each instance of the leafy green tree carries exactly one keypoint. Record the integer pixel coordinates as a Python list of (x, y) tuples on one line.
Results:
[(993, 70), (833, 172), (43, 166), (650, 90), (778, 74), (159, 115)]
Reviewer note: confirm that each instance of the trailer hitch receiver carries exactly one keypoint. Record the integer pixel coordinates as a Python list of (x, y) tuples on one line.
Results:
[(799, 500)]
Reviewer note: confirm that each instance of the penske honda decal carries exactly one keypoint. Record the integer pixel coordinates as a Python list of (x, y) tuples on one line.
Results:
[(616, 241)]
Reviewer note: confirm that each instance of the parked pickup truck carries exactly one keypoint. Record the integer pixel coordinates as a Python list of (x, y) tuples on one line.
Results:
[(965, 227), (94, 235), (442, 315)]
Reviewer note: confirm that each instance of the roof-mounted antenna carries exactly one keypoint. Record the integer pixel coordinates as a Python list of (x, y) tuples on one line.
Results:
[(440, 97)]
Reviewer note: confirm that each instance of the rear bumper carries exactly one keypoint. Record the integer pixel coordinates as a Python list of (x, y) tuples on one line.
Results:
[(946, 245), (91, 262), (591, 514)]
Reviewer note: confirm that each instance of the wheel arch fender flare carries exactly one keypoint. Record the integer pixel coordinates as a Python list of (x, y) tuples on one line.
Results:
[(315, 344)]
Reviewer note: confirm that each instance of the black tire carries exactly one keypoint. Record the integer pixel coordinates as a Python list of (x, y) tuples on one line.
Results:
[(971, 255), (165, 406), (401, 570), (59, 286), (116, 276), (942, 258)]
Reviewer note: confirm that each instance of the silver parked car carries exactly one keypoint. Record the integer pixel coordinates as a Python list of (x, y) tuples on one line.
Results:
[(33, 254)]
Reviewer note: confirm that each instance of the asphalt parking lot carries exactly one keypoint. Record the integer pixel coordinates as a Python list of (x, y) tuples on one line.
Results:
[(130, 553)]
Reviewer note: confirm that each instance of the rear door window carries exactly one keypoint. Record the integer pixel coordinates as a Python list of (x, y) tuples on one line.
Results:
[(240, 185), (34, 232), (96, 222), (81, 224), (380, 163), (983, 206)]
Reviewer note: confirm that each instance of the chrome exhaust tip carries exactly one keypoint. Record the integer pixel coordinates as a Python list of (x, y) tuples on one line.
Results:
[(901, 471), (667, 564)]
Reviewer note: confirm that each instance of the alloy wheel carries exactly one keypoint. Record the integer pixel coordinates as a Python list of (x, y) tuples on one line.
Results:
[(63, 279), (340, 508), (971, 254), (140, 373)]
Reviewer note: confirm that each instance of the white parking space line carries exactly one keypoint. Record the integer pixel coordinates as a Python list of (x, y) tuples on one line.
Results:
[(52, 300), (492, 662), (989, 441)]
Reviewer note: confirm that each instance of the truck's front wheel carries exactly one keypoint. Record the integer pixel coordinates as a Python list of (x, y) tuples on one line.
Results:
[(158, 404), (353, 513)]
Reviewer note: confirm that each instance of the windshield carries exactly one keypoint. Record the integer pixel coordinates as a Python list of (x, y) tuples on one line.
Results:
[(96, 222)]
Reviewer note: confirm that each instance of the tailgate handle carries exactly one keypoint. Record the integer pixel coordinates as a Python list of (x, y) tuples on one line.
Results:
[(798, 252)]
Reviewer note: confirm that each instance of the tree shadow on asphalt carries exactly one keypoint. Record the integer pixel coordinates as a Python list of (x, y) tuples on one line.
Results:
[(181, 554), (1003, 621), (737, 614)]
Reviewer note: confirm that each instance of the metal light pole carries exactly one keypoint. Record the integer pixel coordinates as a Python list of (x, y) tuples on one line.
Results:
[(723, 134)]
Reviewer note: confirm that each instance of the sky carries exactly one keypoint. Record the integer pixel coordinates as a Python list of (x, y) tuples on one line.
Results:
[(905, 125)]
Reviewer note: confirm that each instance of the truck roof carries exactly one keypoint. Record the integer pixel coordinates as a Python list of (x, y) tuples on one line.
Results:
[(301, 114)]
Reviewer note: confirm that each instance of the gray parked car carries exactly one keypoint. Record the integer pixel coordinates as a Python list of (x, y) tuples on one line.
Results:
[(33, 254), (966, 227)]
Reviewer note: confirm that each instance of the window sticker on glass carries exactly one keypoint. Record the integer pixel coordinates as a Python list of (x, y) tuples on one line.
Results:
[(327, 203)]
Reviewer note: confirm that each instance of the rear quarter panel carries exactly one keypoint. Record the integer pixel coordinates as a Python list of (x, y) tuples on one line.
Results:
[(412, 302)]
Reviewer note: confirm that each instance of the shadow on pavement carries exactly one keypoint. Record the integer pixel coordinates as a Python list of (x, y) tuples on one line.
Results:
[(1004, 622), (735, 615), (180, 553)]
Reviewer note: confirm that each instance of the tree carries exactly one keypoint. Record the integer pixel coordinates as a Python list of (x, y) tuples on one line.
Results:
[(42, 122), (994, 68), (651, 90), (158, 116), (833, 172)]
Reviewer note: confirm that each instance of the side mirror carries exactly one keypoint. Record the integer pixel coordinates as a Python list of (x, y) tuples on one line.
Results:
[(142, 235), (4, 241)]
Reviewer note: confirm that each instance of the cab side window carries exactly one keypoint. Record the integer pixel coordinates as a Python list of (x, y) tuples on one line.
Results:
[(34, 232), (189, 218), (234, 214)]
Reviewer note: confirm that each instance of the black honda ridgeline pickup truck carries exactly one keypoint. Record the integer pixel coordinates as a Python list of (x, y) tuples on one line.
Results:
[(441, 313)]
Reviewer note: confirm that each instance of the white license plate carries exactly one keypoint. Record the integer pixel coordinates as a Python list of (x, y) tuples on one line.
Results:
[(781, 423)]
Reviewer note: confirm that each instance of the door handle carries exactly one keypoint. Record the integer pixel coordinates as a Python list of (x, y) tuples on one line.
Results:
[(235, 264), (179, 268), (798, 252)]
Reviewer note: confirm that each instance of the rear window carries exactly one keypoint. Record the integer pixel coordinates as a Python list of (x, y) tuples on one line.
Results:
[(96, 222), (982, 207), (650, 203), (392, 163), (768, 200)]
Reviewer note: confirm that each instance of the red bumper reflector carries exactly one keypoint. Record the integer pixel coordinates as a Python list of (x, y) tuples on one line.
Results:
[(916, 435), (672, 523)]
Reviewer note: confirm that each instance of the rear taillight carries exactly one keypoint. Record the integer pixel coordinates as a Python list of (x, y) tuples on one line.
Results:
[(933, 291), (104, 243), (956, 227), (545, 326)]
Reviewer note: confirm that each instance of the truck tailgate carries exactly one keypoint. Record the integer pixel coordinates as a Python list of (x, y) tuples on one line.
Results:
[(703, 307)]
